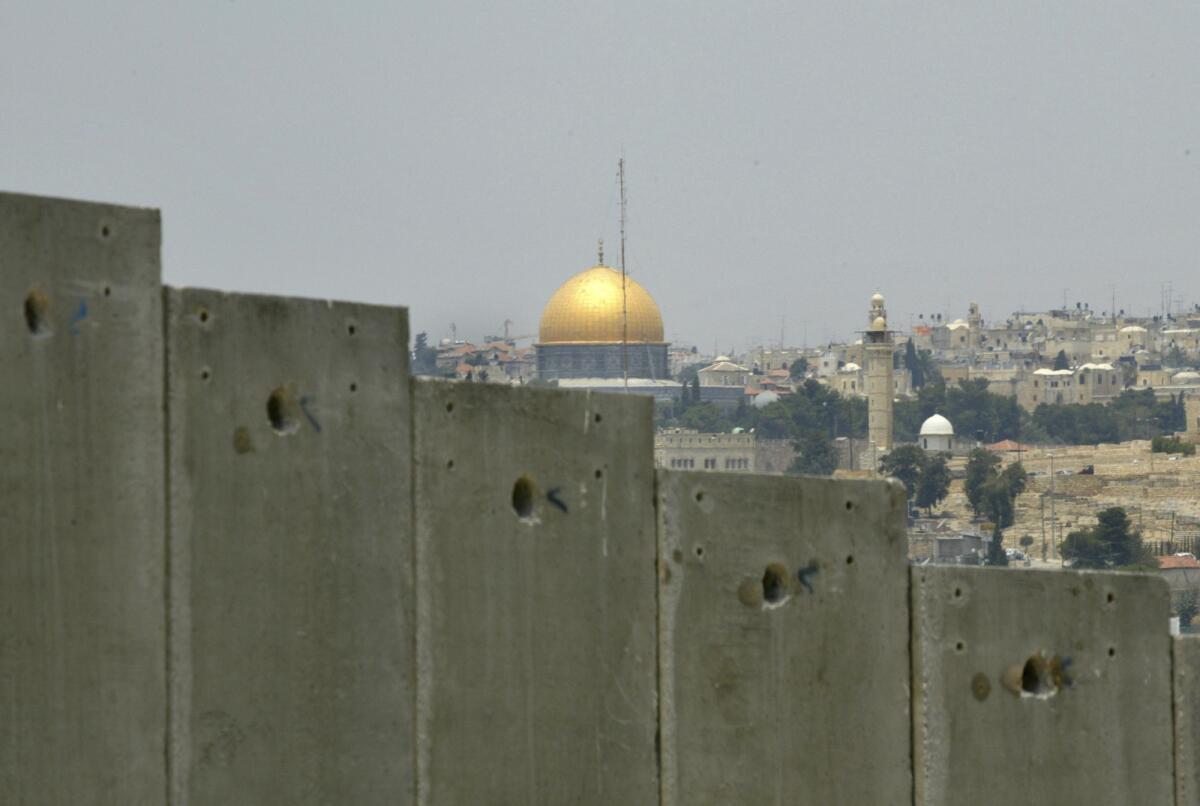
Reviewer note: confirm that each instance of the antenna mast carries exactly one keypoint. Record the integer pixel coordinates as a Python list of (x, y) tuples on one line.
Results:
[(624, 296)]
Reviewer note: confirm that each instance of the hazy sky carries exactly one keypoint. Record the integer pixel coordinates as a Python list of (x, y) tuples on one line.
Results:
[(784, 160)]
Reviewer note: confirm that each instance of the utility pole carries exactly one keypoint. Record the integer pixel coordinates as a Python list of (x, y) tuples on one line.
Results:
[(1053, 515)]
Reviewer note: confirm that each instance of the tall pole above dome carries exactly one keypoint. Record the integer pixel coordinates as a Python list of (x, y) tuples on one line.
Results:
[(624, 295)]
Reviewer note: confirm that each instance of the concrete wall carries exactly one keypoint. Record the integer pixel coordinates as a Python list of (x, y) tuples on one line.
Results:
[(291, 591), (82, 703), (1040, 687), (783, 640), (258, 566), (536, 605), (1186, 653)]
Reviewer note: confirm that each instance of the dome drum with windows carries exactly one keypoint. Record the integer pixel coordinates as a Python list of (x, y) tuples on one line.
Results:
[(592, 328)]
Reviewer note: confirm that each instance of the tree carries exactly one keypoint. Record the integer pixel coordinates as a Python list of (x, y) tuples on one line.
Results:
[(705, 418), (1015, 479), (1108, 544), (934, 484), (996, 501), (1026, 541), (914, 366), (424, 357), (817, 456), (981, 466), (905, 463), (996, 555), (1061, 361), (1186, 605), (799, 368)]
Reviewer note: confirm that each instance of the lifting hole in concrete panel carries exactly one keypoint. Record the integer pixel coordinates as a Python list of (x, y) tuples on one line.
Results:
[(105, 231), (1036, 677), (522, 497), (354, 387), (202, 315), (775, 585), (450, 407), (107, 291), (849, 505), (700, 551), (281, 412), (849, 559), (598, 418), (1112, 597), (351, 328), (37, 310), (1112, 651)]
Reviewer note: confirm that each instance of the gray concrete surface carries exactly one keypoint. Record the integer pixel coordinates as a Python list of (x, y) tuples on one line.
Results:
[(1186, 654), (536, 622), (1041, 687), (803, 699), (291, 544), (82, 692)]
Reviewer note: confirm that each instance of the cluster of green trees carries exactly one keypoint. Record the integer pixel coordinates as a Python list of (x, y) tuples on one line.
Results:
[(1111, 543), (974, 411), (925, 477), (1163, 444), (991, 493), (1134, 414)]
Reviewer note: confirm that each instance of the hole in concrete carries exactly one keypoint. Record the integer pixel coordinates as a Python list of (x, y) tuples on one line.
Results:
[(957, 592), (1111, 598), (450, 407), (449, 464), (105, 231), (107, 291), (699, 496), (281, 412), (599, 473), (522, 497), (699, 551), (849, 559), (598, 418), (202, 315), (774, 584), (1036, 678), (960, 646), (354, 387), (849, 505), (205, 374), (351, 329), (1112, 651), (37, 309)]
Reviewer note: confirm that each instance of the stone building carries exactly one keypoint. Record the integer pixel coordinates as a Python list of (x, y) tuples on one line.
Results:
[(681, 449)]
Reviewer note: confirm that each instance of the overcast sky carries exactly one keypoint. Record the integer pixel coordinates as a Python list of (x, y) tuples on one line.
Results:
[(784, 160)]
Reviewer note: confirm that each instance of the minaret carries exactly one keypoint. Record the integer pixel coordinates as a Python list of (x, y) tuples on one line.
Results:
[(877, 349)]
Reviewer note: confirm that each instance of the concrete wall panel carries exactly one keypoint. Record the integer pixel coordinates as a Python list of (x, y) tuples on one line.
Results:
[(82, 690), (291, 544), (1187, 719), (783, 640), (1040, 687), (536, 596)]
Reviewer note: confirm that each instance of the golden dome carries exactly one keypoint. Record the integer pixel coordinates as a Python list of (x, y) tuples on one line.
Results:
[(587, 309)]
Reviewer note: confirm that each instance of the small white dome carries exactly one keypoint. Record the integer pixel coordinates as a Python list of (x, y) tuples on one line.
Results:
[(937, 426), (764, 399), (879, 324), (877, 299), (851, 367)]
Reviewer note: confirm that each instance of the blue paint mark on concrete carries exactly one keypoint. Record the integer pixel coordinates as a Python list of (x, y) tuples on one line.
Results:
[(304, 401), (80, 314), (552, 495)]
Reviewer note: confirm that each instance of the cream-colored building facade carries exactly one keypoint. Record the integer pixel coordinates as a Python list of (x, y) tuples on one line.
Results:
[(682, 449)]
